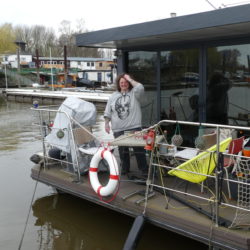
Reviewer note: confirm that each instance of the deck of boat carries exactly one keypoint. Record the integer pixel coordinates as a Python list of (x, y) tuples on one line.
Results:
[(175, 217)]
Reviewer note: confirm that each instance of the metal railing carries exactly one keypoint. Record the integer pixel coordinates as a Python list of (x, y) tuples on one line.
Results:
[(44, 120), (216, 175), (216, 201)]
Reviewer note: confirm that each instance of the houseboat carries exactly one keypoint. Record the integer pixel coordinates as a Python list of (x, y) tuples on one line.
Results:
[(199, 190), (197, 134)]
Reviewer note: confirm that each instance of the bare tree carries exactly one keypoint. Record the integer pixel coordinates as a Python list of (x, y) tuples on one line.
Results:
[(50, 42), (67, 37), (24, 34), (44, 38), (107, 53), (37, 37)]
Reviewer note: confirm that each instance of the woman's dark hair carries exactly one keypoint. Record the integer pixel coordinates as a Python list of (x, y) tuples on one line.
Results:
[(118, 78)]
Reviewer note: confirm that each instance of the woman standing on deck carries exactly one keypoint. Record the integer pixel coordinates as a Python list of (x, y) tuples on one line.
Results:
[(123, 110)]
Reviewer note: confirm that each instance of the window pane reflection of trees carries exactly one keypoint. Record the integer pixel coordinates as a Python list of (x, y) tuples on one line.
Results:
[(142, 66)]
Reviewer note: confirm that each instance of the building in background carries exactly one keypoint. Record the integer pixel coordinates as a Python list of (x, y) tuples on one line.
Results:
[(91, 69), (80, 71), (21, 58)]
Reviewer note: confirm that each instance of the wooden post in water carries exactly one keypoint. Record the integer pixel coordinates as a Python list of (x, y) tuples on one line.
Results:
[(37, 66), (18, 66), (65, 66)]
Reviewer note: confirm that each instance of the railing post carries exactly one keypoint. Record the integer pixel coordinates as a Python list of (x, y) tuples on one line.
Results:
[(217, 177), (75, 147)]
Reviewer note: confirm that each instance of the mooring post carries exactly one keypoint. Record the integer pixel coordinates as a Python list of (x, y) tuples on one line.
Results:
[(134, 233)]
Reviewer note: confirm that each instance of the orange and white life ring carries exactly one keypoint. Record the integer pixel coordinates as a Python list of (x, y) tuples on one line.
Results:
[(103, 153)]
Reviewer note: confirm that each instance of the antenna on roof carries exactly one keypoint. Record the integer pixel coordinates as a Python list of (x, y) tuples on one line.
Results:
[(233, 4), (211, 4)]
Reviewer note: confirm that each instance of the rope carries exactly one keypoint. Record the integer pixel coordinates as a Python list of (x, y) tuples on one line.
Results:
[(211, 228), (237, 106), (211, 157), (162, 183), (148, 182), (149, 179), (30, 207)]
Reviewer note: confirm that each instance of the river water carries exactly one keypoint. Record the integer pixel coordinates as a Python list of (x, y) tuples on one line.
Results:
[(56, 221)]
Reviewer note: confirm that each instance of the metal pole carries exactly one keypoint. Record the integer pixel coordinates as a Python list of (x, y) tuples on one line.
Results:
[(37, 66), (18, 66), (6, 81), (211, 4), (51, 70), (158, 86), (65, 66), (217, 178)]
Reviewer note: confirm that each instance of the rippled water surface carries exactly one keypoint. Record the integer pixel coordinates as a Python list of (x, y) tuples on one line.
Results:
[(56, 221)]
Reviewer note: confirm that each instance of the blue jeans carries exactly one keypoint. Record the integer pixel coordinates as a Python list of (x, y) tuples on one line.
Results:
[(125, 157)]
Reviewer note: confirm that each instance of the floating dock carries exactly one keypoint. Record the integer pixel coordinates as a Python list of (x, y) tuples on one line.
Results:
[(194, 205), (45, 97), (162, 211)]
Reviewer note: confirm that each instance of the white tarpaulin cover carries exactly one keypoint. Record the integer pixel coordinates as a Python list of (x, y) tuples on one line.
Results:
[(82, 111)]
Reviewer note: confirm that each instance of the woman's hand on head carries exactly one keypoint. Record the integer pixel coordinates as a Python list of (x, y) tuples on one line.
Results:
[(128, 78)]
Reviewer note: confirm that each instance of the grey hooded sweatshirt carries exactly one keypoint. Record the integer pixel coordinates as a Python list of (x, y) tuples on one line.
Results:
[(124, 109)]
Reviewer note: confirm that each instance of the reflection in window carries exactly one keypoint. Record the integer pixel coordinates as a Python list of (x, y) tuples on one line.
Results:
[(179, 84), (142, 66), (228, 85)]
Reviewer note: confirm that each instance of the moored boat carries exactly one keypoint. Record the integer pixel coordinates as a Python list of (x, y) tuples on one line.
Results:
[(184, 191)]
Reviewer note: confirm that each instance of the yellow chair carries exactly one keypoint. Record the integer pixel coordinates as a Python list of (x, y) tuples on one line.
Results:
[(196, 169)]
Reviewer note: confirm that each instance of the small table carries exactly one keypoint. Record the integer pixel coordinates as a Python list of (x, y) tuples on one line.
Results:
[(132, 141), (129, 141)]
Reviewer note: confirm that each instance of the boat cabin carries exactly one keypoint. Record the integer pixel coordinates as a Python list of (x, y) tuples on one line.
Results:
[(194, 67)]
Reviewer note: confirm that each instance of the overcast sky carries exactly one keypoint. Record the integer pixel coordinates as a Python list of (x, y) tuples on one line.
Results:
[(101, 14)]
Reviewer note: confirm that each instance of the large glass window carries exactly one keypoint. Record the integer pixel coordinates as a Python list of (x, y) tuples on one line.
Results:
[(179, 84), (228, 87), (142, 66)]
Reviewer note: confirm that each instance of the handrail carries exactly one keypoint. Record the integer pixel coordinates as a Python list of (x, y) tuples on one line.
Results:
[(40, 110), (216, 201), (150, 184), (202, 124)]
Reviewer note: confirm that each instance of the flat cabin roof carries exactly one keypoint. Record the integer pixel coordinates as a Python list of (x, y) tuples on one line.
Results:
[(233, 22)]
